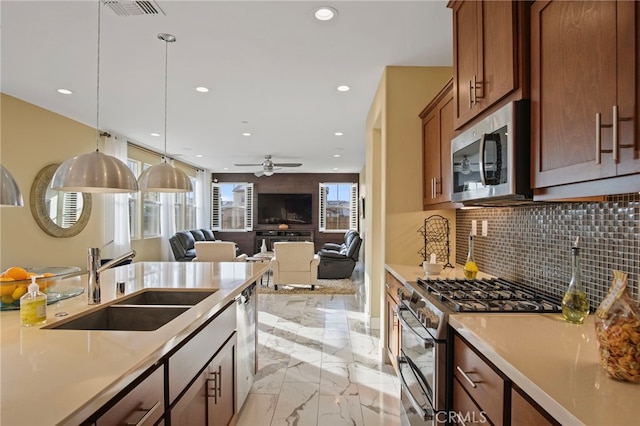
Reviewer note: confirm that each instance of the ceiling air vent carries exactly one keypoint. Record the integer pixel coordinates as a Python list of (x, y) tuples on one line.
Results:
[(133, 8)]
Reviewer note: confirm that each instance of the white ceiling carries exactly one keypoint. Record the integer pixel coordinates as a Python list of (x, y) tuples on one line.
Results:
[(267, 63)]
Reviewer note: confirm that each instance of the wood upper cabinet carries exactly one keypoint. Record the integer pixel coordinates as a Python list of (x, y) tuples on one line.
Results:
[(584, 95), (486, 64), (437, 132)]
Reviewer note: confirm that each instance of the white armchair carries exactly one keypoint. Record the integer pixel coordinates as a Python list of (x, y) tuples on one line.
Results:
[(217, 251), (294, 262)]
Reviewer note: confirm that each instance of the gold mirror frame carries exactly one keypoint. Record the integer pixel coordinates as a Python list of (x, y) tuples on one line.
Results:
[(37, 201)]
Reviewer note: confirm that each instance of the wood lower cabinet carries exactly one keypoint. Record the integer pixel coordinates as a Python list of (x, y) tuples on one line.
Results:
[(584, 97), (483, 394), (143, 405), (526, 413), (210, 399), (392, 323), (487, 54), (437, 132)]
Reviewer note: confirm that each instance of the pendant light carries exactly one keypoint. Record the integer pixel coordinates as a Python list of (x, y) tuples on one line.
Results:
[(165, 177), (95, 172), (10, 194)]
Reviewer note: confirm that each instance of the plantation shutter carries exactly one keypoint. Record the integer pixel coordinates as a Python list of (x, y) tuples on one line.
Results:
[(69, 208), (248, 206), (353, 219), (215, 207), (322, 222)]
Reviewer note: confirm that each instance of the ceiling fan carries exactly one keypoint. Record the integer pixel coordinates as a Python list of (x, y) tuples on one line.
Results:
[(268, 166)]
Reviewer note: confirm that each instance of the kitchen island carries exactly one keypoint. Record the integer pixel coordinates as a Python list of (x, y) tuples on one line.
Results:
[(64, 376)]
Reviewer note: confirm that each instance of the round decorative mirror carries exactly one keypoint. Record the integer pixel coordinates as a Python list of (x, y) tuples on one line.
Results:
[(60, 214)]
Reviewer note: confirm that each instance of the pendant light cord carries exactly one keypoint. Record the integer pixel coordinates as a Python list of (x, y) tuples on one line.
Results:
[(98, 82), (166, 77)]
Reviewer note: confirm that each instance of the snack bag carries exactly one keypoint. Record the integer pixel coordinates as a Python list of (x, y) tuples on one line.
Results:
[(618, 330)]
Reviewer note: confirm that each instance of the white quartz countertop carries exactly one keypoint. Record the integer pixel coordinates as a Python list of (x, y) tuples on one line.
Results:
[(554, 362), (63, 376)]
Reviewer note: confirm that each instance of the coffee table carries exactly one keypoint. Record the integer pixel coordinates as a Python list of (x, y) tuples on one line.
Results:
[(262, 258)]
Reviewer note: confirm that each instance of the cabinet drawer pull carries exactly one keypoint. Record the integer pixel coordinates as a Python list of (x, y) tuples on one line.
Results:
[(147, 416), (467, 378)]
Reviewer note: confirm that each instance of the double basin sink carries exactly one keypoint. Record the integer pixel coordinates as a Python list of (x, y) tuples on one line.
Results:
[(147, 310)]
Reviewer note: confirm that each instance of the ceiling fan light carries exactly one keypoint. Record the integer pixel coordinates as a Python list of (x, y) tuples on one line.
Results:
[(10, 194), (94, 172), (268, 172), (164, 177)]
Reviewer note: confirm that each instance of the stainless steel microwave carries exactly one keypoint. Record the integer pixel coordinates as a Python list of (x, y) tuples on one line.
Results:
[(491, 159)]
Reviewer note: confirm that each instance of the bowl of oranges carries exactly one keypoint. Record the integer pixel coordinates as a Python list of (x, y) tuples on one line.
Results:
[(15, 280)]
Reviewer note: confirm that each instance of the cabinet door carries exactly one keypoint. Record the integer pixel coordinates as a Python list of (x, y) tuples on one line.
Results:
[(222, 386), (437, 132), (485, 60), (581, 66), (392, 331), (210, 399), (524, 413), (466, 50)]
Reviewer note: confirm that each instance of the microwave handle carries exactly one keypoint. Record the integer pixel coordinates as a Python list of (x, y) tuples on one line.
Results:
[(497, 166)]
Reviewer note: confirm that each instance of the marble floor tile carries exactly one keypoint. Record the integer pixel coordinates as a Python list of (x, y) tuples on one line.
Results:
[(319, 364), (297, 405), (339, 410)]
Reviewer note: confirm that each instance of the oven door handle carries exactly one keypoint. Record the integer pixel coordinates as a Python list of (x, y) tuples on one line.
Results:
[(426, 414), (426, 343)]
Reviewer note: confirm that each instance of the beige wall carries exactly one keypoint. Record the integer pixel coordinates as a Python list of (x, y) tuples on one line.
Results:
[(30, 139), (394, 173)]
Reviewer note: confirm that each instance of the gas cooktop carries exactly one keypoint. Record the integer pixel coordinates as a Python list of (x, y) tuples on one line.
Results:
[(489, 295)]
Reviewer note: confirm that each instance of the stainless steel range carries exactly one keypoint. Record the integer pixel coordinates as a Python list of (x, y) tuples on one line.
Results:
[(424, 313)]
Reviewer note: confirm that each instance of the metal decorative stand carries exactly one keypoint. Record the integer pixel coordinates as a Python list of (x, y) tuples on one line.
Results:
[(435, 232)]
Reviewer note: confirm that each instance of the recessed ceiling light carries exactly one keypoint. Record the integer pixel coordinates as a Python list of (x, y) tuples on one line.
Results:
[(65, 91), (336, 155), (338, 133), (199, 155), (155, 134), (226, 168), (335, 169), (325, 13), (343, 88), (246, 134), (202, 89)]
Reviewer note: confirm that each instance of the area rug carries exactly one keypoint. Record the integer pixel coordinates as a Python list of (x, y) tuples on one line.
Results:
[(341, 286)]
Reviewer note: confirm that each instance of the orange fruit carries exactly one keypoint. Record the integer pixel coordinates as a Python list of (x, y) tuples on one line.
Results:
[(6, 288), (15, 272)]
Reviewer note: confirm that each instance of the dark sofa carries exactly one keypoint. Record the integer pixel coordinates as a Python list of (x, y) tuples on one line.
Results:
[(335, 264), (183, 243)]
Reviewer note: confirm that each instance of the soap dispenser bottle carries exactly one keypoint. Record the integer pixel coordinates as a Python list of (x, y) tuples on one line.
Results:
[(33, 306), (575, 306), (470, 268)]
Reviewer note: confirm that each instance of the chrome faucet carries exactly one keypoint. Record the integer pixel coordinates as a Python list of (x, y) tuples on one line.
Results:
[(94, 269)]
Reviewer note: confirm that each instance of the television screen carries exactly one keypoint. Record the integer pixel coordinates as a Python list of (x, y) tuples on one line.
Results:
[(284, 208)]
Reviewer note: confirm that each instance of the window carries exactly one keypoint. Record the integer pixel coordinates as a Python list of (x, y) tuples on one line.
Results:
[(134, 205), (232, 206), (338, 207), (150, 211), (185, 208)]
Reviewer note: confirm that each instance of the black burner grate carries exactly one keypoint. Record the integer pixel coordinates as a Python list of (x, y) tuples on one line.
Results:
[(489, 295)]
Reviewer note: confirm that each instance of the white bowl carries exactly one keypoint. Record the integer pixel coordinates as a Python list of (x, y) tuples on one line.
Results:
[(432, 268)]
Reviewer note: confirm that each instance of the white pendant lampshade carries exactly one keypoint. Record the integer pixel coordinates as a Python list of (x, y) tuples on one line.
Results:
[(165, 177), (95, 172), (10, 194)]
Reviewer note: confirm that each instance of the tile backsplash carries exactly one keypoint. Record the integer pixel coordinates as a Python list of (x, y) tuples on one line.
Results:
[(532, 244)]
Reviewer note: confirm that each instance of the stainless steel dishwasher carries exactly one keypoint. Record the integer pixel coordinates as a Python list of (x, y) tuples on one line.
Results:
[(246, 312)]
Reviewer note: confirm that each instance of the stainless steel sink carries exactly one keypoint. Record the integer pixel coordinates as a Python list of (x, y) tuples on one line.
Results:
[(123, 318), (147, 310), (166, 297)]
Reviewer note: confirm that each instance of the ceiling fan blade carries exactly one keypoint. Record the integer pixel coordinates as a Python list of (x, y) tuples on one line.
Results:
[(259, 173), (246, 164), (287, 164)]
